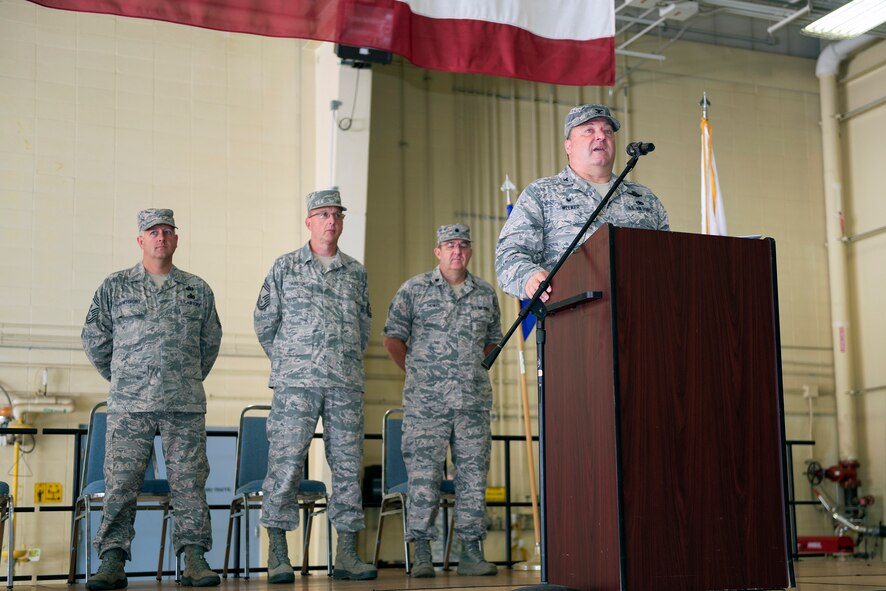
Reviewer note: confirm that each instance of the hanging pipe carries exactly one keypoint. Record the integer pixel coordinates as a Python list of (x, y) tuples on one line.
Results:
[(46, 405)]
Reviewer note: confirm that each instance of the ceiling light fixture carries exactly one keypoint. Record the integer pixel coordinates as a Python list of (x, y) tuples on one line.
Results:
[(850, 20)]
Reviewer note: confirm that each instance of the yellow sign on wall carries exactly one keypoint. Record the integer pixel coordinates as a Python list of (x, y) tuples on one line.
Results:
[(47, 492), (495, 494)]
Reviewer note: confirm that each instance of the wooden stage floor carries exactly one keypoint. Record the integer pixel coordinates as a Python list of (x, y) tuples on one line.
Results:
[(813, 574)]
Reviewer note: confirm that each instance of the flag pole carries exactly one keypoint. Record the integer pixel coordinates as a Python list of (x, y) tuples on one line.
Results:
[(705, 222), (535, 562), (713, 214)]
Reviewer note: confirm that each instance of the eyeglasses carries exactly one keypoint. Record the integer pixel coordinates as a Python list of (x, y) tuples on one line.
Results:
[(453, 244), (325, 215)]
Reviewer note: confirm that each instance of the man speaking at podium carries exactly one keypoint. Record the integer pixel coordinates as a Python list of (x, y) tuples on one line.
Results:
[(552, 210)]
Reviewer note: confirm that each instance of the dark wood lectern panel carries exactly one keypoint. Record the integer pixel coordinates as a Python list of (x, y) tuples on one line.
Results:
[(672, 416), (581, 453)]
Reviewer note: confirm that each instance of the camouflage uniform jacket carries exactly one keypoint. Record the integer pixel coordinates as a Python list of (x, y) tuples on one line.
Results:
[(446, 336), (314, 324), (551, 211), (156, 346)]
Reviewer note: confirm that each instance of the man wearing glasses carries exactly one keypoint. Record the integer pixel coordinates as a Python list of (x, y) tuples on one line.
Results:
[(441, 324), (312, 318)]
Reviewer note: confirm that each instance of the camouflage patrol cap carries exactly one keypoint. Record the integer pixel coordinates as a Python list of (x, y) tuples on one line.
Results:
[(327, 198), (582, 113), (148, 218), (453, 232)]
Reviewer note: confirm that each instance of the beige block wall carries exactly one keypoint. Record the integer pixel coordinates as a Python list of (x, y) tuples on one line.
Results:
[(100, 117)]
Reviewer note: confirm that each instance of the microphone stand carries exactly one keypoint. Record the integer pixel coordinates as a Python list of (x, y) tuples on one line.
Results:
[(538, 309)]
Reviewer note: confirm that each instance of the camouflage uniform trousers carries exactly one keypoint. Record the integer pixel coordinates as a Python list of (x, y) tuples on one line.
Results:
[(291, 425), (425, 439), (129, 443)]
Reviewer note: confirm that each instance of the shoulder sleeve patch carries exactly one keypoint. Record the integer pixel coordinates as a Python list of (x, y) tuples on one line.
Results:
[(264, 296), (92, 314)]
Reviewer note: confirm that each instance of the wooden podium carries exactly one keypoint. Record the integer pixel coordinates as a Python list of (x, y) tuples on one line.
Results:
[(664, 426)]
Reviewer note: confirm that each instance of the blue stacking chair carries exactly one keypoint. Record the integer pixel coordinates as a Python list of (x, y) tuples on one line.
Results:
[(251, 469), (7, 509), (395, 486), (154, 495)]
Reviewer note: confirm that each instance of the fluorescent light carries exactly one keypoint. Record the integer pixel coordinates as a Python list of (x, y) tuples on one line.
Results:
[(850, 20)]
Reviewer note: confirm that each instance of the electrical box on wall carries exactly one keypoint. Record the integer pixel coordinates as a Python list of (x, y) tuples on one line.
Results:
[(810, 391)]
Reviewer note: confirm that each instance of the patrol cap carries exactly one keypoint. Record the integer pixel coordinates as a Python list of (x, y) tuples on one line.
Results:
[(327, 198), (583, 113), (148, 218), (453, 232)]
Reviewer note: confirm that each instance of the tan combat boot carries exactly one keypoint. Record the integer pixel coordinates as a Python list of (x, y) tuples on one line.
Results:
[(279, 567), (348, 565), (110, 574), (471, 562), (197, 572), (423, 564)]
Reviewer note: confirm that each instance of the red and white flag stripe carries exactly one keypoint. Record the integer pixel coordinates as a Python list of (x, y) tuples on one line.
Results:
[(554, 41)]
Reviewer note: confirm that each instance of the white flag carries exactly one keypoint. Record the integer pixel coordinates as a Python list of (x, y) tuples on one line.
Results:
[(713, 214)]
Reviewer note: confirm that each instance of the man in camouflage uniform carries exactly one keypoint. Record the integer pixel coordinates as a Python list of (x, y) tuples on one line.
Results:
[(153, 332), (441, 324), (552, 210), (312, 318)]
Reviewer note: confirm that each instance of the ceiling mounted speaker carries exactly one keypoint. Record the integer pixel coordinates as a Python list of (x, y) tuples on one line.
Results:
[(362, 56)]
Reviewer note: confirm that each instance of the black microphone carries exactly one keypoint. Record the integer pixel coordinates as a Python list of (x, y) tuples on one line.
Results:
[(639, 148)]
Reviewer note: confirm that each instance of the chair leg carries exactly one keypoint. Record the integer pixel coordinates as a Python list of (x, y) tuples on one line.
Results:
[(246, 536), (328, 540), (378, 530), (75, 530), (307, 523), (449, 536), (162, 543), (9, 508), (4, 516), (405, 543), (87, 537), (228, 541), (237, 537), (177, 576)]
